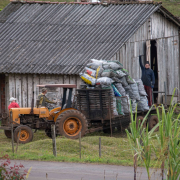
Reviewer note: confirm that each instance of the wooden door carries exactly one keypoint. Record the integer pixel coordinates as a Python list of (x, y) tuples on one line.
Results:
[(148, 51)]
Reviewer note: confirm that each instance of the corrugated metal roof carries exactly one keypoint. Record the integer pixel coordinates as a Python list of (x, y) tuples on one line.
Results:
[(61, 38)]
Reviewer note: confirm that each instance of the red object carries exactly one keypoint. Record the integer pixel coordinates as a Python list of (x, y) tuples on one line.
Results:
[(148, 90), (89, 72), (13, 105)]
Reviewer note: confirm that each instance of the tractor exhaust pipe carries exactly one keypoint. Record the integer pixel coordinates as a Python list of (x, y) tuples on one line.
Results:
[(32, 104)]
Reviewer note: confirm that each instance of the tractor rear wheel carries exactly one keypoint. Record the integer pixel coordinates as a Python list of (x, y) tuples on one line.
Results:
[(153, 120), (25, 136), (70, 123), (7, 133)]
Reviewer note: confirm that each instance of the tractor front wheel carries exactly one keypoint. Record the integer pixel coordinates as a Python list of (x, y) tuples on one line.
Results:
[(26, 134), (70, 123)]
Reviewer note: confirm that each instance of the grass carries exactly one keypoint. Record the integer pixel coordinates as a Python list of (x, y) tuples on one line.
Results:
[(4, 3), (171, 5), (115, 150)]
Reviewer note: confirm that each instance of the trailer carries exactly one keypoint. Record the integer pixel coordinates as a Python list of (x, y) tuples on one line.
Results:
[(97, 106), (90, 111)]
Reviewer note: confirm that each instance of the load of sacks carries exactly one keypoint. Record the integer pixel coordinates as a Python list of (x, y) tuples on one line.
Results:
[(111, 75)]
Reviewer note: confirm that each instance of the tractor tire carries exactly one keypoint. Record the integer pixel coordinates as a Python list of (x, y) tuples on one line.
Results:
[(48, 133), (141, 120), (153, 120), (70, 123), (25, 136), (7, 133)]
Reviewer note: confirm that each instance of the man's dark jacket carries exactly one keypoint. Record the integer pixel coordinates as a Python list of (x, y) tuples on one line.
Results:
[(147, 75)]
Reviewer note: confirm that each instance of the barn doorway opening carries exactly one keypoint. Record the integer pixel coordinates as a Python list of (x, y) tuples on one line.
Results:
[(2, 93), (154, 67)]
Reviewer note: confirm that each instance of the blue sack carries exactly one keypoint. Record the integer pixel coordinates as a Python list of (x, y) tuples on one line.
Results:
[(116, 92)]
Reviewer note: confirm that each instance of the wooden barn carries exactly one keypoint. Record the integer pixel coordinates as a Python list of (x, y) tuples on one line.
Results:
[(43, 42)]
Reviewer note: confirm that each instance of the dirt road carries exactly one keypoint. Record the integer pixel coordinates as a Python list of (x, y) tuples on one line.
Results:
[(77, 171)]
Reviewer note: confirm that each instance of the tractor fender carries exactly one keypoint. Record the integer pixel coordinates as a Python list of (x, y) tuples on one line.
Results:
[(56, 116)]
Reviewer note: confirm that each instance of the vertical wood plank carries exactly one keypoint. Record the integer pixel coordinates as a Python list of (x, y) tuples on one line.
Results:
[(35, 88), (66, 81), (29, 89), (7, 96), (78, 81), (72, 79), (12, 86), (24, 91), (18, 88)]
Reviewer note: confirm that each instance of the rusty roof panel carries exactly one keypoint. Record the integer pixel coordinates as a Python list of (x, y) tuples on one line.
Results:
[(61, 38)]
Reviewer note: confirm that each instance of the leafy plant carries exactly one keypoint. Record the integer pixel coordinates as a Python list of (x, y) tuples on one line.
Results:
[(11, 172), (167, 149), (139, 138)]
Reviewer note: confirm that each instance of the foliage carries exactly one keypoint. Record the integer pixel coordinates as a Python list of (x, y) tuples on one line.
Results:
[(166, 149), (11, 172), (139, 138), (172, 5)]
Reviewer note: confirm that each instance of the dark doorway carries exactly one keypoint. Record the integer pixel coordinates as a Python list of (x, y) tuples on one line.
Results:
[(154, 67)]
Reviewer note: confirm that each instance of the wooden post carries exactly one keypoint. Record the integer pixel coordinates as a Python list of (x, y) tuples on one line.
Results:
[(99, 147), (53, 133), (80, 144), (12, 136), (162, 170), (18, 140), (135, 165)]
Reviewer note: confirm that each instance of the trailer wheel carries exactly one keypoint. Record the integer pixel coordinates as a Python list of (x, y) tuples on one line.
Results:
[(140, 118), (153, 120), (25, 136), (7, 133), (70, 123)]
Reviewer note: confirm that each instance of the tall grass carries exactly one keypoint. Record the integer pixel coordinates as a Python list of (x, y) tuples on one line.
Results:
[(139, 138), (167, 147)]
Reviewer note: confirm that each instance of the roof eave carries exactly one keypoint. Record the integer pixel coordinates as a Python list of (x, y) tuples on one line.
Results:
[(166, 13)]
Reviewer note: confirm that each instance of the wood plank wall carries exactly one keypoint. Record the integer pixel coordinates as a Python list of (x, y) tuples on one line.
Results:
[(156, 28), (166, 35), (22, 86)]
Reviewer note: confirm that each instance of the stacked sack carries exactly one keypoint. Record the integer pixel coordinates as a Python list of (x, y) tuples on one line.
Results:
[(112, 75)]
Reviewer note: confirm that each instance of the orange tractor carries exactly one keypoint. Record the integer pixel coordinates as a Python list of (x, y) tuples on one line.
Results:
[(68, 121), (94, 112)]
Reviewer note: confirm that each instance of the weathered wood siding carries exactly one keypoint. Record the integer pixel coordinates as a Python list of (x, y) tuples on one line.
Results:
[(22, 86), (166, 35), (156, 28)]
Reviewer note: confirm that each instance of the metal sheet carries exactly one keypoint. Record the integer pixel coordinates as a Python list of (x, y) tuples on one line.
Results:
[(62, 38)]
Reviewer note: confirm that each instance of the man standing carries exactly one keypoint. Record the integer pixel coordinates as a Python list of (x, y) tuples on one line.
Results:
[(13, 103), (43, 99), (148, 79)]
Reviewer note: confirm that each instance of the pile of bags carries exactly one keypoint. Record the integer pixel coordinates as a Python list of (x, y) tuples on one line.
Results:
[(112, 75)]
